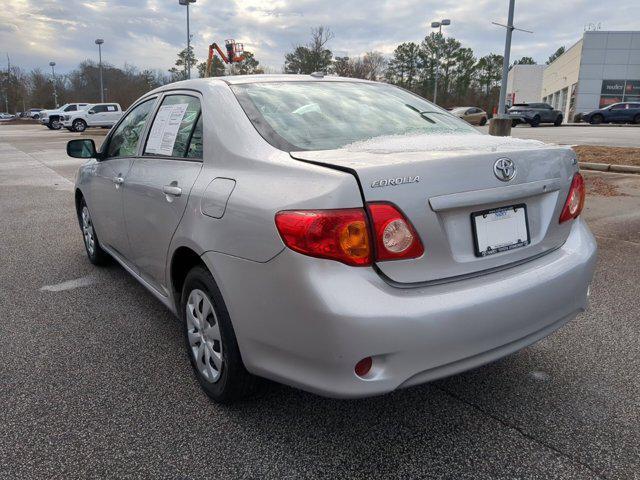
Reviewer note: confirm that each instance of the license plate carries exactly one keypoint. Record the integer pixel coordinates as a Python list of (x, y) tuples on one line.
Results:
[(500, 230)]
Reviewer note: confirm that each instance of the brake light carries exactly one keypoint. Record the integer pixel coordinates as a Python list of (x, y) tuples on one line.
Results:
[(395, 237), (575, 199), (341, 235)]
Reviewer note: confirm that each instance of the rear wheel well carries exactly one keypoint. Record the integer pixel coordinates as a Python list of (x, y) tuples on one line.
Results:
[(183, 260), (79, 200)]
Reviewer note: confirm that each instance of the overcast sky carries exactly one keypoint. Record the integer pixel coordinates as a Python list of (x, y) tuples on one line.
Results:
[(149, 33)]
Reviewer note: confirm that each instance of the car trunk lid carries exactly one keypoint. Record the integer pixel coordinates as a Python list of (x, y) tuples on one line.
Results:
[(440, 181)]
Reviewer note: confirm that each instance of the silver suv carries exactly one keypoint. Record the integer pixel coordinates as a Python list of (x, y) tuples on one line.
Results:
[(345, 237)]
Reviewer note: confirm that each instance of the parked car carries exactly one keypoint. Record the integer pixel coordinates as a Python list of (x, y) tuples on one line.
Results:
[(6, 116), (94, 115), (625, 112), (52, 119), (342, 236), (534, 114), (472, 115), (34, 113)]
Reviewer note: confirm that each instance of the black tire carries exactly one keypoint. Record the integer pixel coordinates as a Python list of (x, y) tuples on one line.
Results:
[(596, 119), (514, 123), (234, 382), (55, 124), (636, 119), (558, 121), (95, 253), (48, 125), (36, 117), (535, 121), (79, 125), (483, 121)]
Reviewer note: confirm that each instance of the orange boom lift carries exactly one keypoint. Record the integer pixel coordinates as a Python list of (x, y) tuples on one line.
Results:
[(234, 53)]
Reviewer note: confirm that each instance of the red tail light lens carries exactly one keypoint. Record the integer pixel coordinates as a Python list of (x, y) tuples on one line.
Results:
[(395, 237), (341, 235), (575, 199)]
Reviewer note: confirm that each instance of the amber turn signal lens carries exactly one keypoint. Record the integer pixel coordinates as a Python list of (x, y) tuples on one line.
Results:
[(354, 239)]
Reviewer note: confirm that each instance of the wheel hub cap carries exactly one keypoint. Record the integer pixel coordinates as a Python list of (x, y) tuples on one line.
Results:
[(203, 331)]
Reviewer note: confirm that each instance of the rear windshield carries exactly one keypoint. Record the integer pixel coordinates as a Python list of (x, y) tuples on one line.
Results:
[(329, 115)]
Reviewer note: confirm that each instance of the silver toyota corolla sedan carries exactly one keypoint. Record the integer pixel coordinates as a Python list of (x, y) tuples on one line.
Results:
[(345, 237)]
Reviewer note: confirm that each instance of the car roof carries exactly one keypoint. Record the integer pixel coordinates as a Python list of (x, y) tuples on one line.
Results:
[(197, 83)]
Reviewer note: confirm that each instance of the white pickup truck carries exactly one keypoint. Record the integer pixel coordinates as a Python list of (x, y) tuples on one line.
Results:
[(104, 115), (52, 118)]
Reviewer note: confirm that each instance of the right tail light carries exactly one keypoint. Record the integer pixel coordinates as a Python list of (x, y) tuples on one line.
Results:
[(575, 199)]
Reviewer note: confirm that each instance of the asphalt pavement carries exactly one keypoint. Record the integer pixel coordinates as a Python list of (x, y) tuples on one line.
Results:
[(608, 135), (95, 381)]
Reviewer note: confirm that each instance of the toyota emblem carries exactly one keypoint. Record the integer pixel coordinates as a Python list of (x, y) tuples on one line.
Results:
[(504, 169)]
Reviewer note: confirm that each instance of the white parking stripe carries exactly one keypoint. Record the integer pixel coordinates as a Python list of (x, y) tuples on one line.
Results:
[(70, 284)]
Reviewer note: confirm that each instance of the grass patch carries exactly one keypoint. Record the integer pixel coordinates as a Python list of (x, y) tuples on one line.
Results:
[(608, 155)]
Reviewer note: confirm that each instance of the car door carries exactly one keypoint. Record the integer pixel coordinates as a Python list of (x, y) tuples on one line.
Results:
[(159, 183), (112, 115), (634, 112), (618, 112), (109, 176), (95, 116)]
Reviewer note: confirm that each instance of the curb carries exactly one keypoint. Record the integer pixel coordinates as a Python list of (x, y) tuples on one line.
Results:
[(602, 125), (605, 167)]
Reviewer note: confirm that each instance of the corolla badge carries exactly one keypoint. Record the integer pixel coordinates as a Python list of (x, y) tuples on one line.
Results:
[(504, 169), (392, 182)]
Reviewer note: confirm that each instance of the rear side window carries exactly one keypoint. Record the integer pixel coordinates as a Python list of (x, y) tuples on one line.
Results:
[(112, 108), (177, 128), (124, 141)]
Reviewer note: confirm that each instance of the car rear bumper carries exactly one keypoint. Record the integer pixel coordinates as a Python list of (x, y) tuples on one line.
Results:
[(307, 322)]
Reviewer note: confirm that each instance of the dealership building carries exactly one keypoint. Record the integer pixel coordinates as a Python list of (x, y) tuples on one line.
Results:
[(600, 69)]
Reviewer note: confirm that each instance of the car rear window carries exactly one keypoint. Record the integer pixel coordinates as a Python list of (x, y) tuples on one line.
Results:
[(321, 115)]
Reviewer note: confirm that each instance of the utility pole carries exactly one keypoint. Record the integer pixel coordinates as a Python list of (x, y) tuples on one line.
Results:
[(187, 62), (438, 25), (501, 124), (99, 42), (6, 85), (55, 92), (505, 61)]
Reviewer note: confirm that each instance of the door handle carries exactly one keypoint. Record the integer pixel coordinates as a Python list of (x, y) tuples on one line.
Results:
[(172, 190)]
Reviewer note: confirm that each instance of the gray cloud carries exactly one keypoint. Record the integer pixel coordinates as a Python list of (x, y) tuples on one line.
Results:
[(149, 33)]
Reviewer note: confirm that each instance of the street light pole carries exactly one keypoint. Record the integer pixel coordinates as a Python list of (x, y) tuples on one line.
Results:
[(505, 61), (99, 42), (187, 62), (439, 26), (53, 74)]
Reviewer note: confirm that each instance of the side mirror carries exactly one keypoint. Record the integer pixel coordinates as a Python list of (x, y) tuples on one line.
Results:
[(82, 148)]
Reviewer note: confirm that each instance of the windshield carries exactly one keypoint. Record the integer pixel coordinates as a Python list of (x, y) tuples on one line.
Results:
[(330, 115)]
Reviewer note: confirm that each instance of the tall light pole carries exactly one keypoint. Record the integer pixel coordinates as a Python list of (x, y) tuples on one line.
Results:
[(442, 23), (99, 42), (53, 76), (505, 61), (187, 63)]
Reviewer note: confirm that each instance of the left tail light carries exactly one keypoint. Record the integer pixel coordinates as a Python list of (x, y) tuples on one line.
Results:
[(341, 235), (575, 199), (347, 236)]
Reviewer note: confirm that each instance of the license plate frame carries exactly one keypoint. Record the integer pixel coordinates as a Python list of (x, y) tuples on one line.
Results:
[(492, 250)]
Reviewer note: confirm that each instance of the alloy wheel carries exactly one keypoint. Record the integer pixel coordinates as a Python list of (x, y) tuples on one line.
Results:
[(203, 330), (87, 231)]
